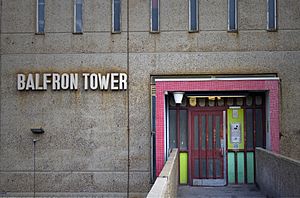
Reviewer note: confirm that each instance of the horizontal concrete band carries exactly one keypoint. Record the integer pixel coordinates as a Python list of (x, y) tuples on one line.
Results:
[(73, 182), (206, 41), (277, 175)]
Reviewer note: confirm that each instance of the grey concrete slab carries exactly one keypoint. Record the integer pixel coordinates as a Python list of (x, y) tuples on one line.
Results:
[(97, 15), (215, 21), (277, 175), (73, 182), (139, 14), (173, 15), (288, 14), (252, 16), (231, 191), (18, 16), (59, 16)]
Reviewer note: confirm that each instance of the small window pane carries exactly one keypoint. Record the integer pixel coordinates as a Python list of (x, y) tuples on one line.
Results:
[(239, 101), (172, 102), (116, 16), (203, 134), (249, 100), (184, 102), (221, 102), (210, 168), (271, 15), (210, 132), (258, 100), (78, 16), (229, 101), (183, 129), (154, 16), (193, 15), (259, 128), (211, 103), (202, 102), (196, 168), (172, 130), (232, 15), (203, 169), (41, 16), (196, 133), (218, 168), (218, 132), (249, 128)]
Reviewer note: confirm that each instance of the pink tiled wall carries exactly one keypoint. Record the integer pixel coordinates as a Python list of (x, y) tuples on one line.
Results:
[(218, 85)]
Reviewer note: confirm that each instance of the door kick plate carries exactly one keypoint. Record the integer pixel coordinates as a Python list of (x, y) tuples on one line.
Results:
[(209, 182)]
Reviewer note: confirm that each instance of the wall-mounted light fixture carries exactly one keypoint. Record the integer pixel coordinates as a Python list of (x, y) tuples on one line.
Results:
[(37, 130), (178, 97)]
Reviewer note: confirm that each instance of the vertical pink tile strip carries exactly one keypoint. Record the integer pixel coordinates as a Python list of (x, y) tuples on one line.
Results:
[(218, 85), (159, 128)]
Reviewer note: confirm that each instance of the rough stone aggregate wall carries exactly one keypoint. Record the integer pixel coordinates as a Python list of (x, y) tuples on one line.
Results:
[(84, 148)]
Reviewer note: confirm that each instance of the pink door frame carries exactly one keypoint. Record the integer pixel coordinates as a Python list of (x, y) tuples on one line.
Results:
[(163, 86)]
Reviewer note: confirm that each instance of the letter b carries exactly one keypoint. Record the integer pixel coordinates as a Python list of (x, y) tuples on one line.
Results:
[(21, 81)]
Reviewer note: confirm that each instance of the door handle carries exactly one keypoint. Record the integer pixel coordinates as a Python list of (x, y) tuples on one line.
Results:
[(221, 151)]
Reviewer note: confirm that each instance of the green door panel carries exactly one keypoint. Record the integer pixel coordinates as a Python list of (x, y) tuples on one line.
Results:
[(240, 167), (231, 168), (250, 167), (183, 176)]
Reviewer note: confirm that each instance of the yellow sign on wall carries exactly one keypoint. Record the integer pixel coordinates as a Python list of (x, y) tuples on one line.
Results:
[(235, 127)]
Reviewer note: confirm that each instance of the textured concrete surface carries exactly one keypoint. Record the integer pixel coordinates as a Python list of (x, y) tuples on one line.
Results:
[(251, 16), (216, 21), (59, 14), (288, 14), (159, 188), (166, 185), (84, 147), (19, 16), (277, 175), (232, 191), (101, 42)]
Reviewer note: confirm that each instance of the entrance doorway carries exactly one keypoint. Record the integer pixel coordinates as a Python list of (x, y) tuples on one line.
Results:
[(251, 102), (216, 136), (208, 150)]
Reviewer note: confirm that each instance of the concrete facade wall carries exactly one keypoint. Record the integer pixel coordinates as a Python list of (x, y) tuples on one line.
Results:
[(276, 175), (84, 148)]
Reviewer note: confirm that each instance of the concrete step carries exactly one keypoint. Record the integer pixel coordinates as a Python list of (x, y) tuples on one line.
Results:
[(230, 191)]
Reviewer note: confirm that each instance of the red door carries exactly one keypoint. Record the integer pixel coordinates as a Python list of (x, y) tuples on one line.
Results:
[(207, 148)]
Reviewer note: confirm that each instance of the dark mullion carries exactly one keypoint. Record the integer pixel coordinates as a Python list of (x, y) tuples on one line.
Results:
[(264, 121), (245, 148), (214, 144), (200, 144), (178, 138), (222, 150), (206, 145)]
